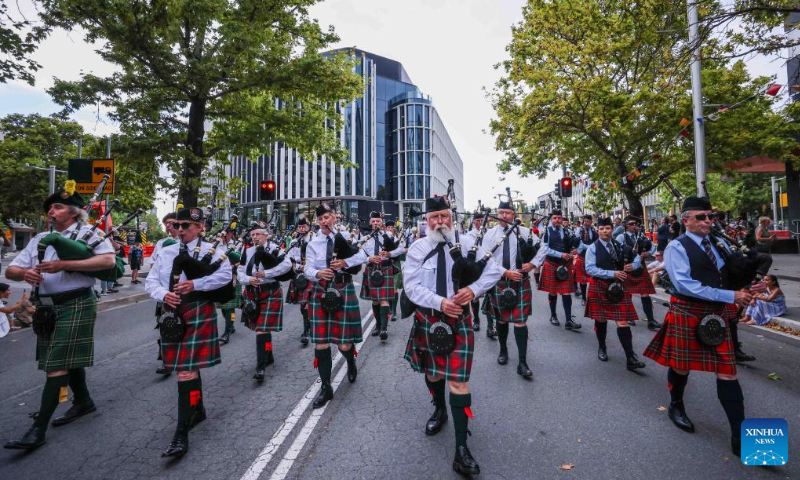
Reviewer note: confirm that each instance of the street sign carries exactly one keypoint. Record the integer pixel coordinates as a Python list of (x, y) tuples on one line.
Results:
[(88, 173), (784, 199)]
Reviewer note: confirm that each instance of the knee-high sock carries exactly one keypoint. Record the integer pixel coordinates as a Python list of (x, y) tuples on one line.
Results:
[(566, 301), (676, 384), (306, 320), (437, 392), (601, 329), (385, 314), (52, 388), (229, 315), (190, 395), (730, 396), (77, 382), (461, 412), (521, 337), (268, 345), (551, 300), (626, 339), (647, 306), (349, 355), (261, 348), (323, 358), (393, 304), (502, 333), (376, 310), (159, 350), (584, 287), (476, 307)]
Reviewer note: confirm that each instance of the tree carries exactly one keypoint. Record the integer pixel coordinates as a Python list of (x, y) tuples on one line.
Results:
[(184, 65), (600, 87), (18, 39)]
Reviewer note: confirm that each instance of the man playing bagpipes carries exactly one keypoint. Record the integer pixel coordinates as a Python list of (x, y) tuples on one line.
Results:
[(560, 249), (332, 303), (378, 284), (228, 308), (638, 282), (441, 341), (299, 286), (608, 299), (694, 334), (477, 233), (261, 287), (398, 269), (66, 307), (189, 277), (511, 297), (587, 235), (170, 239)]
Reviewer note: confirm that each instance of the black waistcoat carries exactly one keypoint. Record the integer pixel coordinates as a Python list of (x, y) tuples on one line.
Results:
[(702, 268), (554, 240), (603, 259)]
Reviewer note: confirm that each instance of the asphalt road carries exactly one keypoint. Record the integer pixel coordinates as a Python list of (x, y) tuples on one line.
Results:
[(596, 416)]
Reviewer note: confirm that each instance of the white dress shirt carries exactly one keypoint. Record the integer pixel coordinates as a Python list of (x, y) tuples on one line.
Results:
[(269, 274), (157, 282), (62, 281), (369, 247), (494, 234), (316, 256)]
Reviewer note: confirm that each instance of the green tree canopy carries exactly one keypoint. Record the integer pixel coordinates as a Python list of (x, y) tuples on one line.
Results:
[(185, 65), (18, 39)]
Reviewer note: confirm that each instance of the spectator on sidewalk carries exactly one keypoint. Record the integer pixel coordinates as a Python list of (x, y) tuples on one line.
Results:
[(23, 316), (767, 305), (618, 227), (135, 254), (5, 322), (662, 234), (656, 268), (763, 238), (675, 227)]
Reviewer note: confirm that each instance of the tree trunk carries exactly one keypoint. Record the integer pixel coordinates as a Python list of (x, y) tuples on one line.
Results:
[(194, 160), (635, 207)]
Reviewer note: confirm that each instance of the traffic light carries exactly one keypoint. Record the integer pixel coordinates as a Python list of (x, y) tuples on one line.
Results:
[(267, 188), (565, 187)]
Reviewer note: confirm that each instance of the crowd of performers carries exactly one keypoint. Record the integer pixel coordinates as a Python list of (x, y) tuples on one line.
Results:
[(447, 278)]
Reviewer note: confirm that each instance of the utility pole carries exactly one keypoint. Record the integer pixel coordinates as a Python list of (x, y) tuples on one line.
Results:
[(697, 96)]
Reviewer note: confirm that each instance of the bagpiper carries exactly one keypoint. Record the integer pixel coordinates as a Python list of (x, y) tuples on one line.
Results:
[(378, 282), (299, 286), (441, 342), (339, 321), (608, 300), (638, 282), (170, 239), (66, 308), (588, 235), (477, 237), (692, 337), (228, 308), (557, 270), (188, 286), (263, 290)]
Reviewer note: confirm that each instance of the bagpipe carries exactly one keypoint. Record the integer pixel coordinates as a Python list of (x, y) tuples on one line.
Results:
[(193, 269), (332, 300), (171, 326), (389, 244), (616, 291), (570, 241)]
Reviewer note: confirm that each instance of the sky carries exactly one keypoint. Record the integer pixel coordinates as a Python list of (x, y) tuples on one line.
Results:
[(448, 47)]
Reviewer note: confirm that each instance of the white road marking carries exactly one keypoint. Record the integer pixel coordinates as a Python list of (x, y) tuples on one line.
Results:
[(275, 443)]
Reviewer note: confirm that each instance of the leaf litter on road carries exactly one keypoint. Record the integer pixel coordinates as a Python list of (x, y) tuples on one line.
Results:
[(566, 466), (773, 376)]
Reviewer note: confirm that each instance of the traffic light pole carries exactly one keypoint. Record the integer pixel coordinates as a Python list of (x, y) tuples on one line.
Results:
[(697, 97)]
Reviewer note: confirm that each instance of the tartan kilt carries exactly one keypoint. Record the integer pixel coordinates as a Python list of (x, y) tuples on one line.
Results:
[(294, 296), (377, 294), (456, 366), (676, 344), (731, 312), (270, 303), (524, 307), (641, 285), (398, 280), (600, 309), (71, 345), (200, 346), (580, 271), (340, 327), (235, 302), (548, 282)]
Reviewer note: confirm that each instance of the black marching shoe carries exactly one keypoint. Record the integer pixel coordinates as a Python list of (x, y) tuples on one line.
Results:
[(678, 416), (394, 317), (476, 327), (653, 325), (736, 446), (634, 363), (32, 439), (376, 331), (632, 323), (179, 445), (464, 463), (524, 371), (259, 375), (352, 370), (502, 359), (162, 370), (224, 338), (197, 416), (743, 357), (75, 412), (572, 325), (491, 332), (602, 355), (325, 394), (304, 338), (384, 334), (434, 424), (554, 320)]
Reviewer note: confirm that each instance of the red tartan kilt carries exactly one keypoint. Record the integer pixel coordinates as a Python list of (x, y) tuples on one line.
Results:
[(524, 306), (580, 271), (599, 308), (383, 293), (731, 312), (548, 282), (641, 285), (676, 345), (456, 366), (270, 302), (294, 296), (200, 346)]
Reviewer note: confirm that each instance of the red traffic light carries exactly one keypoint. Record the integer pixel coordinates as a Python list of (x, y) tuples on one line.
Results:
[(566, 181), (264, 185), (267, 188)]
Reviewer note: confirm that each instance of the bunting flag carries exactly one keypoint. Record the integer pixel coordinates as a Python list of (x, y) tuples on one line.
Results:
[(773, 89), (685, 122)]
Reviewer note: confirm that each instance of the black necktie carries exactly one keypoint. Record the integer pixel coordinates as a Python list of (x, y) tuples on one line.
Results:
[(506, 254), (329, 251), (377, 245), (441, 271), (612, 251), (709, 253)]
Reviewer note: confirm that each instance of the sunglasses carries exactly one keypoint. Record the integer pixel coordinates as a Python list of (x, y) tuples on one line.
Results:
[(184, 225), (701, 217)]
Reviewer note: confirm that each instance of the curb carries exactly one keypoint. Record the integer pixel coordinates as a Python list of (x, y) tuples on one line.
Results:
[(122, 301)]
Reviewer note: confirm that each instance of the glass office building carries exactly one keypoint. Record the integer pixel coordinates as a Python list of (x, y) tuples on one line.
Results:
[(396, 139)]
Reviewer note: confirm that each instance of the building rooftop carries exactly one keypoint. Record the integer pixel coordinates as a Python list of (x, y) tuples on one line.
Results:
[(385, 67)]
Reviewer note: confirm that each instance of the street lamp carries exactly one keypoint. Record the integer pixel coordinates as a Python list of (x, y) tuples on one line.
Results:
[(52, 170)]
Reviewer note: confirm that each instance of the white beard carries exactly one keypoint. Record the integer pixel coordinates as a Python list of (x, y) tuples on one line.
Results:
[(442, 233)]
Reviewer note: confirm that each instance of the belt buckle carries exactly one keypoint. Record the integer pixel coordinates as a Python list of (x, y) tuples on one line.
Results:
[(46, 301)]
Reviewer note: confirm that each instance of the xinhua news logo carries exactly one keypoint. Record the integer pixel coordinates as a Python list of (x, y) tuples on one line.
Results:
[(765, 441)]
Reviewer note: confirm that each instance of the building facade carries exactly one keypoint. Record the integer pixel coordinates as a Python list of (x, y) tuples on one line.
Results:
[(396, 139)]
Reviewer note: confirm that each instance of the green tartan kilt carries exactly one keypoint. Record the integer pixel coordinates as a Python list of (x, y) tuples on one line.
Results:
[(457, 366), (398, 280), (71, 345), (340, 327), (377, 294), (235, 302)]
